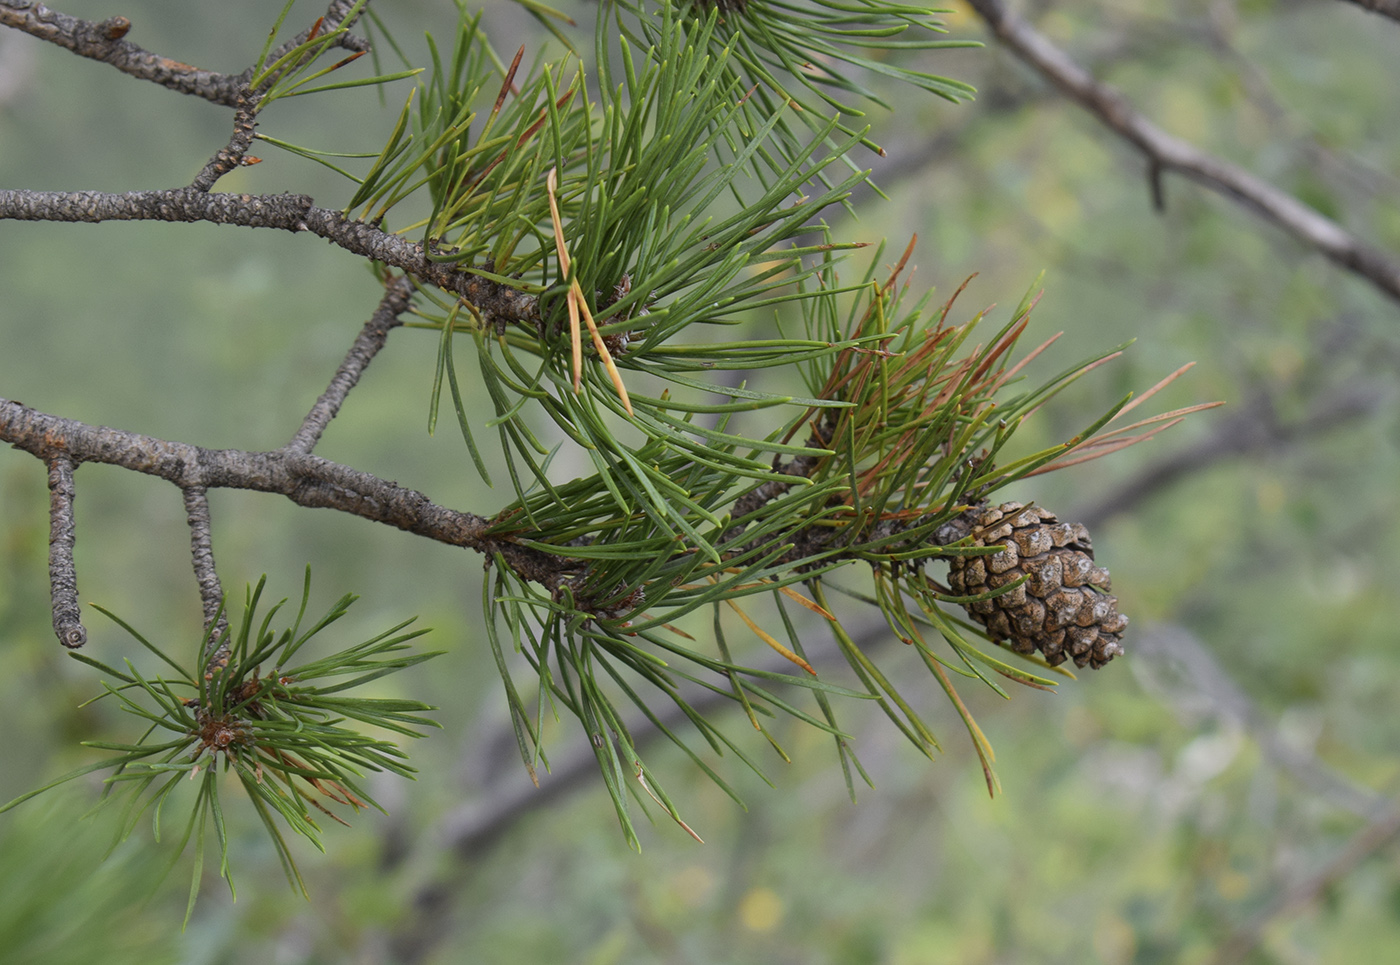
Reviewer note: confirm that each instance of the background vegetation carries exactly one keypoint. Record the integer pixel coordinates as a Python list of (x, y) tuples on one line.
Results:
[(1225, 792)]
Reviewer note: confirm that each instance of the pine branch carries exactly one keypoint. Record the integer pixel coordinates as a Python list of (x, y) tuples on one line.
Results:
[(498, 304), (305, 479), (678, 200), (105, 42), (1166, 153)]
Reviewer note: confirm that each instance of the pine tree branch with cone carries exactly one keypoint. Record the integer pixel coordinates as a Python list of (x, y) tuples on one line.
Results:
[(591, 255)]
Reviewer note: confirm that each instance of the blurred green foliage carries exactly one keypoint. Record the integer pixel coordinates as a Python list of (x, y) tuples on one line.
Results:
[(1139, 823)]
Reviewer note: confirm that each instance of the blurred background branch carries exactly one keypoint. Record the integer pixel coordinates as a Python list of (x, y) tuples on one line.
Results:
[(1165, 153), (1378, 834)]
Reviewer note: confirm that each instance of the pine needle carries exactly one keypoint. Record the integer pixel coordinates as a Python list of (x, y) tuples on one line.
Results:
[(578, 305)]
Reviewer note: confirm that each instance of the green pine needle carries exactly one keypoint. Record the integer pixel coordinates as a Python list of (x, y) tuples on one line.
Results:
[(283, 732)]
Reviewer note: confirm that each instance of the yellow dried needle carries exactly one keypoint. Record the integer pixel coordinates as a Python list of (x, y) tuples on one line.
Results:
[(642, 780), (551, 182), (579, 305), (770, 640), (603, 352)]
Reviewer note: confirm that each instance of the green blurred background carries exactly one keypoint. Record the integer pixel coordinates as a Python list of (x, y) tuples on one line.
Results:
[(1247, 749)]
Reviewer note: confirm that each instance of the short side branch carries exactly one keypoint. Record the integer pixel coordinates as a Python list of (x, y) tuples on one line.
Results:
[(1167, 153), (232, 154), (63, 575), (371, 339), (285, 211), (211, 592), (103, 41)]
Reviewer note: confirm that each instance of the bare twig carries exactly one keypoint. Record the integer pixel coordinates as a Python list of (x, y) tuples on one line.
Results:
[(305, 479), (104, 41), (232, 154), (371, 339), (63, 576), (211, 592), (285, 211), (497, 304), (1167, 153)]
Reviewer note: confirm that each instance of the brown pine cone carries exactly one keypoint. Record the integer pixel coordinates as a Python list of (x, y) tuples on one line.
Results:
[(1063, 609)]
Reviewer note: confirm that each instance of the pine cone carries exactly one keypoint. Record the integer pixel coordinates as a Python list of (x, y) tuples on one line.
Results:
[(1063, 609)]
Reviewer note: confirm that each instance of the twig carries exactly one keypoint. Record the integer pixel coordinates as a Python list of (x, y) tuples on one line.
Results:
[(63, 576), (496, 303), (371, 339), (333, 19), (305, 479), (232, 154), (103, 41), (211, 592), (1167, 153)]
